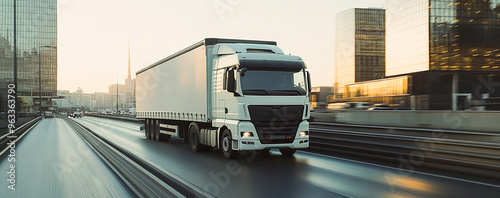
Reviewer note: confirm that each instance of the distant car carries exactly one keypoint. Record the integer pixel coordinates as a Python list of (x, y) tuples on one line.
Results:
[(77, 114), (357, 105), (48, 114)]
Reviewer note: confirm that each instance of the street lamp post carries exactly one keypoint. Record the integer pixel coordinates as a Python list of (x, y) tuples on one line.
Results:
[(40, 75), (15, 60), (117, 98), (117, 113)]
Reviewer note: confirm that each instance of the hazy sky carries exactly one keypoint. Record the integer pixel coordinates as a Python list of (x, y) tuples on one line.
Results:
[(93, 35)]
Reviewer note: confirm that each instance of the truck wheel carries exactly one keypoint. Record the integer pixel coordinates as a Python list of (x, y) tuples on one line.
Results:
[(287, 152), (194, 140), (227, 145)]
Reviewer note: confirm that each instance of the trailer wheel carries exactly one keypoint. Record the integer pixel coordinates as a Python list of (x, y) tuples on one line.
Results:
[(146, 128), (194, 140), (149, 131), (227, 145), (287, 152), (156, 132)]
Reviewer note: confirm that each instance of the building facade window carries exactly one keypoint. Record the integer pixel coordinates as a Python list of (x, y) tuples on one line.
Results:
[(360, 47), (36, 29)]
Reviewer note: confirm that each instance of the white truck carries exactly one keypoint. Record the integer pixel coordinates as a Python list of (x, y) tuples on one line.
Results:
[(233, 95)]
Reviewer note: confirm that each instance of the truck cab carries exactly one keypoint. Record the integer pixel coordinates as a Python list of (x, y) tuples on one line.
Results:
[(262, 98)]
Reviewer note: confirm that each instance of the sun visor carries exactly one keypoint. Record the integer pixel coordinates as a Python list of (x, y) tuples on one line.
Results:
[(262, 64)]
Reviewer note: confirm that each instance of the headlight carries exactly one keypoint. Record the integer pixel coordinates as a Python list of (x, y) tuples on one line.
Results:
[(246, 134), (304, 133)]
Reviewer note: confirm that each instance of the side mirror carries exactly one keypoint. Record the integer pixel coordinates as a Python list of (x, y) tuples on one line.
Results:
[(231, 81), (243, 70), (308, 82)]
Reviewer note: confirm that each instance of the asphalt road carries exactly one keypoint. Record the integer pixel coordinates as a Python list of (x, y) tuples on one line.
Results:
[(304, 175), (53, 161)]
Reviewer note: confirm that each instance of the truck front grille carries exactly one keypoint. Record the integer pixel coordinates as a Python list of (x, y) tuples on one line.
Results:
[(276, 124)]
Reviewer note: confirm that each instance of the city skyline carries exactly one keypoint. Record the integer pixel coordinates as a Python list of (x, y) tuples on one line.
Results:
[(102, 37)]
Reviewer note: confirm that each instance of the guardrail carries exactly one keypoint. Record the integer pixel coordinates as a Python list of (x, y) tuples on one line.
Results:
[(433, 119), (19, 132), (144, 179), (465, 152)]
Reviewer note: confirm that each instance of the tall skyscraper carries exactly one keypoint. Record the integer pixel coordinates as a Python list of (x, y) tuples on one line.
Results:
[(28, 41), (129, 86), (126, 92), (360, 47), (442, 35), (451, 48)]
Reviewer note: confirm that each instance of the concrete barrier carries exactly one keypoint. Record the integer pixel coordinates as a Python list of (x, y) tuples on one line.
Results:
[(455, 120)]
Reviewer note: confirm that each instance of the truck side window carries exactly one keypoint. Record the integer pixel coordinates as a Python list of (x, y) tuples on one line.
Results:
[(230, 80)]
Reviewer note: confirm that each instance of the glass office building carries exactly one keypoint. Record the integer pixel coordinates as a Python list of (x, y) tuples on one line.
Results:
[(32, 33), (360, 47), (442, 35), (451, 48), (440, 54)]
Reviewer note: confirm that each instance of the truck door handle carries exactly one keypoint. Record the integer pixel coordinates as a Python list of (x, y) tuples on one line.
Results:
[(227, 110)]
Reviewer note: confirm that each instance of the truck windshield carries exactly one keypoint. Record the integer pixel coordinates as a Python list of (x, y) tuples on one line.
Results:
[(265, 82)]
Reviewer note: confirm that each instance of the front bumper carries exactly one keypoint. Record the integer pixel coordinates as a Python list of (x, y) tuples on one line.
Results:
[(253, 143)]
